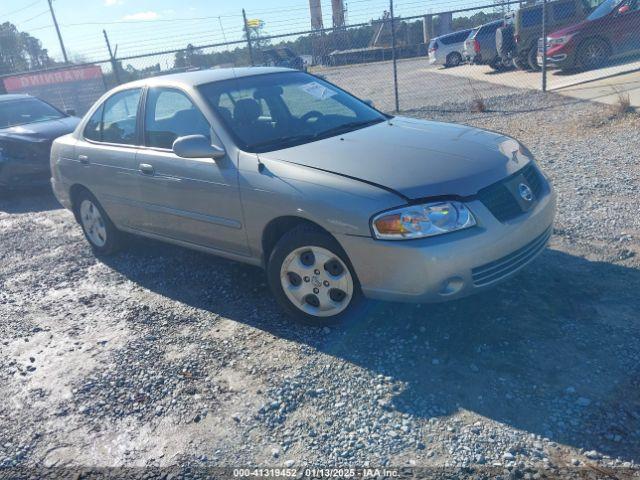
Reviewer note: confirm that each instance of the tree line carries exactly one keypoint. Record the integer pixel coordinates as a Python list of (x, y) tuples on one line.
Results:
[(19, 51)]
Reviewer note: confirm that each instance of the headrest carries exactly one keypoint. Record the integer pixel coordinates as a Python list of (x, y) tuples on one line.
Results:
[(247, 110)]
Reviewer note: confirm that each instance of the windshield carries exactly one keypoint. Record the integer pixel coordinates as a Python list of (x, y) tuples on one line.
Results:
[(604, 9), (27, 110), (280, 110)]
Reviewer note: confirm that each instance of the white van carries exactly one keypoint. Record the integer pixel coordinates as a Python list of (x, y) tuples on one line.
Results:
[(448, 50)]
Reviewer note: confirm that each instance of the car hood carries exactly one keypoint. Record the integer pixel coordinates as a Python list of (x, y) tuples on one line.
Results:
[(570, 29), (414, 158), (40, 131)]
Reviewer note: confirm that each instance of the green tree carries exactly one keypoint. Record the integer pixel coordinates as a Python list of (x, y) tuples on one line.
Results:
[(19, 51)]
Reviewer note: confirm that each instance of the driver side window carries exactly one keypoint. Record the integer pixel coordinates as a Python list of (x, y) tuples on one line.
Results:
[(171, 114)]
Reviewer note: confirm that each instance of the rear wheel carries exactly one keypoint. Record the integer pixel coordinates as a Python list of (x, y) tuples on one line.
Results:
[(312, 279), (453, 59), (98, 229), (593, 54)]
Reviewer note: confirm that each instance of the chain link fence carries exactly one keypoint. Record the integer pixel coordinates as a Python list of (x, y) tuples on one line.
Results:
[(443, 59)]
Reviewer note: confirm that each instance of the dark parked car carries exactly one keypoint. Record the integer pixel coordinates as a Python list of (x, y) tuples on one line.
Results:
[(612, 30), (283, 57), (518, 41), (480, 47), (28, 126)]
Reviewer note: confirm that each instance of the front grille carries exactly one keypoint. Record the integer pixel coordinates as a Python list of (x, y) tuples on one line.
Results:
[(502, 203), (498, 269)]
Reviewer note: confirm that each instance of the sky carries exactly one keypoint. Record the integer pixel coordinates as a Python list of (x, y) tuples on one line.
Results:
[(142, 26)]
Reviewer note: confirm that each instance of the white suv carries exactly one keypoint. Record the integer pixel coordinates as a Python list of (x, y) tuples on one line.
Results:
[(448, 49)]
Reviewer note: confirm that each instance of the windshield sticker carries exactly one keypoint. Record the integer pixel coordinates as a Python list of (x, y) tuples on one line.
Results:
[(317, 91)]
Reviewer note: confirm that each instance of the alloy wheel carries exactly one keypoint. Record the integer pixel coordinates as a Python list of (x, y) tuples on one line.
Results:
[(594, 54), (316, 281), (93, 223)]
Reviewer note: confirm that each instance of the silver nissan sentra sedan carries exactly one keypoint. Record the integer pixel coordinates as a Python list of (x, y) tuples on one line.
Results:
[(278, 168)]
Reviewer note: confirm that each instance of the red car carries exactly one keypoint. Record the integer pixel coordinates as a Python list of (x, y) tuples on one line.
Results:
[(612, 30)]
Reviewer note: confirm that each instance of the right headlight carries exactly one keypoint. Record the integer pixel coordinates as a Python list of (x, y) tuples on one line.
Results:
[(424, 220), (555, 41)]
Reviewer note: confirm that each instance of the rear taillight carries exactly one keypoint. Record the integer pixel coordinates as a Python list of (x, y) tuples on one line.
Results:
[(476, 45), (434, 47)]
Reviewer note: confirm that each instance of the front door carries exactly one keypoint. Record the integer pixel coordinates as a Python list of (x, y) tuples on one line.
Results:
[(195, 200), (629, 26)]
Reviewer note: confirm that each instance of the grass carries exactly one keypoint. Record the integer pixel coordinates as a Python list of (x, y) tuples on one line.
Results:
[(618, 110), (477, 103)]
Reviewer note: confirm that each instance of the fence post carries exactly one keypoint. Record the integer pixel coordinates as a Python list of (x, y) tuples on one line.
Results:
[(246, 31), (114, 63), (393, 56), (544, 46)]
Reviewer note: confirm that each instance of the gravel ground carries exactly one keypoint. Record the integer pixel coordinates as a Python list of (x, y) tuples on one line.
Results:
[(161, 356)]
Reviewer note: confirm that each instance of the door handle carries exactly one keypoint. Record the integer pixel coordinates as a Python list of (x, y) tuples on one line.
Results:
[(146, 168), (83, 159)]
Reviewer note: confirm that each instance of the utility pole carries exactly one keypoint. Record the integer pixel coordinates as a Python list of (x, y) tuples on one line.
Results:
[(248, 32), (114, 63), (55, 24)]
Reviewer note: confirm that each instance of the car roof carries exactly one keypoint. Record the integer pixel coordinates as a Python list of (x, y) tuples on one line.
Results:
[(200, 77), (13, 96), (457, 32), (490, 24)]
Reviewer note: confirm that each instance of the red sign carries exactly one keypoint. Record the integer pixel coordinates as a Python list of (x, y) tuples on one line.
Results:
[(19, 83)]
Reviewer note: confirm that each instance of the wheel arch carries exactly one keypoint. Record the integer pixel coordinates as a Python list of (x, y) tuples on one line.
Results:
[(74, 193), (278, 227)]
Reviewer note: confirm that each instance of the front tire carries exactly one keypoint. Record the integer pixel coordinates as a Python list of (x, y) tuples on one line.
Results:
[(312, 278), (593, 54), (532, 59), (100, 232), (497, 65), (520, 63)]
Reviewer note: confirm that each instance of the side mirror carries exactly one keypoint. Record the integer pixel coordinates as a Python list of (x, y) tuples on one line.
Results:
[(70, 111), (196, 146), (624, 9), (369, 102)]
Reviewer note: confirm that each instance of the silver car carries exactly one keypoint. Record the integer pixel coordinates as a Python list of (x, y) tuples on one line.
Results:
[(278, 168)]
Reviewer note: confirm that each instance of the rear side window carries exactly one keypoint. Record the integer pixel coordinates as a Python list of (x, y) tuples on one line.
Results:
[(171, 114), (93, 129), (115, 120), (531, 18), (459, 37), (449, 39), (563, 11)]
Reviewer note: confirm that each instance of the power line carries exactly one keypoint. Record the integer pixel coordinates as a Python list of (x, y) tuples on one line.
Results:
[(44, 12), (20, 9)]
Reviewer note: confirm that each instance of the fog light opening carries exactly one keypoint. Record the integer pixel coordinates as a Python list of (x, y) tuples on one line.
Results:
[(452, 286)]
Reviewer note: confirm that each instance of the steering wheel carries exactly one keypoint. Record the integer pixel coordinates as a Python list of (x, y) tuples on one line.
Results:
[(311, 114)]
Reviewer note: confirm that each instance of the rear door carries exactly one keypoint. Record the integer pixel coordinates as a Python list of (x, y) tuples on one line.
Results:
[(194, 200), (106, 157)]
